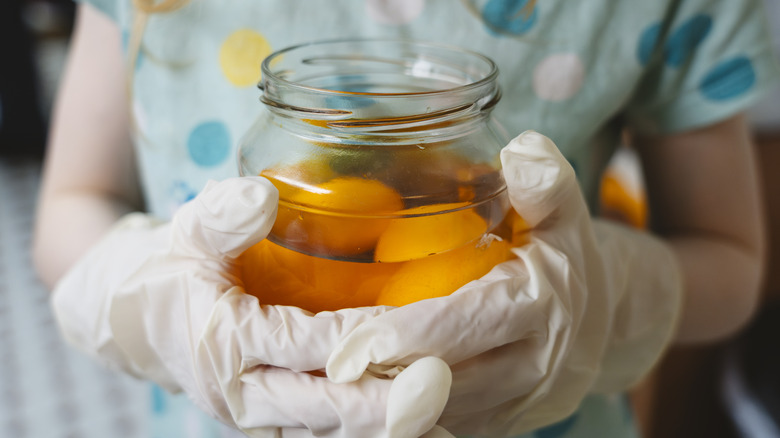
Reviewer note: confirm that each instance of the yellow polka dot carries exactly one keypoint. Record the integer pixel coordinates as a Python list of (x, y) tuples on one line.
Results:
[(240, 57)]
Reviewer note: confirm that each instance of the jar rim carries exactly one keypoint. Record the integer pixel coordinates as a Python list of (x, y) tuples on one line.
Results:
[(269, 74)]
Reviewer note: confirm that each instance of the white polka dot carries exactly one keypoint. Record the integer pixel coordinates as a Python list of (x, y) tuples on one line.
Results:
[(139, 117), (559, 77), (394, 11)]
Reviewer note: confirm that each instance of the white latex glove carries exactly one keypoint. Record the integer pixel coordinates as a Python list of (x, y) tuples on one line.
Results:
[(585, 307), (160, 301)]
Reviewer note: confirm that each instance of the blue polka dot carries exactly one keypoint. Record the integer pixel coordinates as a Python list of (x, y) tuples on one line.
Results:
[(209, 144), (181, 192), (558, 429), (686, 38), (729, 79), (158, 400), (509, 16), (350, 100), (648, 41)]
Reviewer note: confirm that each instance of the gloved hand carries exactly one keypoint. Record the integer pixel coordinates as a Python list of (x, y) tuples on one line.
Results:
[(586, 306), (160, 301)]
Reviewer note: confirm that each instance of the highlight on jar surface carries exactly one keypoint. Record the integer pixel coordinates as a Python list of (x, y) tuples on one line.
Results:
[(386, 159)]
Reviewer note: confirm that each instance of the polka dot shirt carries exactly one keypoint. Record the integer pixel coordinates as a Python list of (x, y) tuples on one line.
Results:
[(577, 71)]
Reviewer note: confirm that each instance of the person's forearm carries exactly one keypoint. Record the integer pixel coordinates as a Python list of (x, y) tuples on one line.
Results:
[(705, 200), (72, 223), (89, 177), (718, 276)]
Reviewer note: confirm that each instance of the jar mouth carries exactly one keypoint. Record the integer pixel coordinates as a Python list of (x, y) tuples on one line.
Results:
[(377, 78)]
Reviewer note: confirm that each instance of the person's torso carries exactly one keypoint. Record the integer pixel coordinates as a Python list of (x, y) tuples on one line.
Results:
[(567, 69), (195, 95)]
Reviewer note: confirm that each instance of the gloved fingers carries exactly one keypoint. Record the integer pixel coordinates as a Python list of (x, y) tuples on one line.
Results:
[(282, 336), (279, 398), (422, 386), (540, 382), (541, 183), (517, 371), (516, 300), (299, 403), (543, 189), (226, 218)]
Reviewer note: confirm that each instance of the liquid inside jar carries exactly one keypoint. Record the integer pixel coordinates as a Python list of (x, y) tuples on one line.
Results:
[(351, 232), (386, 158)]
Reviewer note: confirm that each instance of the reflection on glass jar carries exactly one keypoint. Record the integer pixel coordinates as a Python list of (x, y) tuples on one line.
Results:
[(387, 164)]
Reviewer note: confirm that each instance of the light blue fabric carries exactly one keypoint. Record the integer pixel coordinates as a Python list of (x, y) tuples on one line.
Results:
[(577, 71), (598, 416), (174, 416)]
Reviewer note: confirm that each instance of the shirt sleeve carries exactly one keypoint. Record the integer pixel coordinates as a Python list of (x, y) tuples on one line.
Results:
[(706, 61)]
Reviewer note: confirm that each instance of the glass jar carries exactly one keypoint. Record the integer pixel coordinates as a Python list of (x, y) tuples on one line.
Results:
[(386, 159)]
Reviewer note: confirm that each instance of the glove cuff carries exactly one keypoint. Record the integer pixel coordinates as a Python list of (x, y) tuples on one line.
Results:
[(82, 299), (649, 283)]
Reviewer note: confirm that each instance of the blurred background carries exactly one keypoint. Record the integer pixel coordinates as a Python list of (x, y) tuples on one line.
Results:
[(48, 390)]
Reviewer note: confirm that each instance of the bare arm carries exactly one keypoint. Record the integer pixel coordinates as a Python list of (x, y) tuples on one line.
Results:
[(705, 200), (89, 175)]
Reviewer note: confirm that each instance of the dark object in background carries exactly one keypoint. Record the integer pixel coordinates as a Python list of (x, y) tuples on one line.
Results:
[(751, 383), (24, 24), (22, 130)]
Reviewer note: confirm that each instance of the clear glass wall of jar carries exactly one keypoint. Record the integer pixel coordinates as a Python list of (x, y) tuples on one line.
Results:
[(387, 164)]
